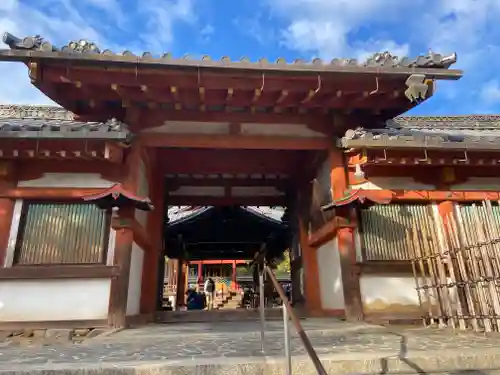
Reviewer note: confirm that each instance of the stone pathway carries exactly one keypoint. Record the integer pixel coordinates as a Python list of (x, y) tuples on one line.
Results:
[(226, 347)]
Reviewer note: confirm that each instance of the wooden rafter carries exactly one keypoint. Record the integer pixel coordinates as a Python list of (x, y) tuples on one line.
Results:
[(213, 81)]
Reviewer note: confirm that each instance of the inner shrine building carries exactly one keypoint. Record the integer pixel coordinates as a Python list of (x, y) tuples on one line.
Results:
[(85, 187)]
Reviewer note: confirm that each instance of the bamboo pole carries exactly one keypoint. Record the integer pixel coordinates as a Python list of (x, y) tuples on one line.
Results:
[(494, 301), (456, 247), (494, 235), (442, 285), (432, 277), (415, 257), (446, 257), (466, 239)]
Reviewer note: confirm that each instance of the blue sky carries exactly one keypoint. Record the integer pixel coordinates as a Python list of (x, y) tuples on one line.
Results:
[(275, 28)]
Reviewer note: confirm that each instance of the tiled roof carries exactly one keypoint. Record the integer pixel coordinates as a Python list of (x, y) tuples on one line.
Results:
[(446, 122), (476, 132), (46, 122), (87, 50)]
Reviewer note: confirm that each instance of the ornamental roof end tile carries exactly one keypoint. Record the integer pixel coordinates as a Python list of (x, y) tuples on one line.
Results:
[(380, 59)]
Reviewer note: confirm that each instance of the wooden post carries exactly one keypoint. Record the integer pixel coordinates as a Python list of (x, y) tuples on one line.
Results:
[(312, 297), (200, 272), (6, 212), (345, 236), (181, 278), (8, 180), (152, 280), (350, 275), (119, 285), (233, 278)]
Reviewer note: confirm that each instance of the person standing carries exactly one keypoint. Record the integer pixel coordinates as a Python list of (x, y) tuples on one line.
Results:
[(209, 289)]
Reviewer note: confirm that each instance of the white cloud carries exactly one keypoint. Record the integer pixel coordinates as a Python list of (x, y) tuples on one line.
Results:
[(161, 18), (324, 26), (358, 28), (61, 21), (490, 92)]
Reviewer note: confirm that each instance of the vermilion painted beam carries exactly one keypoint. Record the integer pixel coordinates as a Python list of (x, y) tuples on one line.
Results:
[(232, 142), (217, 261), (437, 195), (151, 117), (225, 161)]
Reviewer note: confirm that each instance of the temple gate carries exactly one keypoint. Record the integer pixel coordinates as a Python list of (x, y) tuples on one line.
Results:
[(141, 133)]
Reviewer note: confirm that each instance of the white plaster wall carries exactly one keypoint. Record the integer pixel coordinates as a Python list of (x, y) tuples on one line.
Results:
[(61, 299), (398, 295), (388, 293), (330, 276), (478, 184), (392, 183), (68, 180), (135, 281)]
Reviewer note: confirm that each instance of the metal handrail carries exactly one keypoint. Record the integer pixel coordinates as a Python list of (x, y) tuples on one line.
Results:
[(288, 313)]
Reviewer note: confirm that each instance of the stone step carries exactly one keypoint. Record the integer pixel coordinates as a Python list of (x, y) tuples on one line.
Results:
[(221, 315)]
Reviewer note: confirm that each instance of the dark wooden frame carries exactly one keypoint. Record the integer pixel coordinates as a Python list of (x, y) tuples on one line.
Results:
[(39, 272), (22, 225)]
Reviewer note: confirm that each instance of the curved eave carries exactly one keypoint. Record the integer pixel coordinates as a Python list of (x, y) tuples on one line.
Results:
[(196, 213), (262, 216), (193, 214)]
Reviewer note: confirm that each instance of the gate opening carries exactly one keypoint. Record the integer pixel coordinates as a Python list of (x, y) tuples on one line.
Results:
[(220, 243)]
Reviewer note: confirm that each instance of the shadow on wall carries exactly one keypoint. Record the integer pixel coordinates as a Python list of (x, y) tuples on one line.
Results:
[(385, 225)]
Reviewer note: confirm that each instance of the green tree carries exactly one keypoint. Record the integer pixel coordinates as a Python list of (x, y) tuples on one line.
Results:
[(283, 265)]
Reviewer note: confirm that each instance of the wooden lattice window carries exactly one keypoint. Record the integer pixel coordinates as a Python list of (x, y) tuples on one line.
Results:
[(387, 231), (62, 233)]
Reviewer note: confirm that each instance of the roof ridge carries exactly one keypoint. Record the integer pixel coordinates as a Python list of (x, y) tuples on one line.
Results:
[(83, 46), (448, 117)]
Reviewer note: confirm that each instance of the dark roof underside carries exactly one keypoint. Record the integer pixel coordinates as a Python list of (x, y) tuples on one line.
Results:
[(225, 233)]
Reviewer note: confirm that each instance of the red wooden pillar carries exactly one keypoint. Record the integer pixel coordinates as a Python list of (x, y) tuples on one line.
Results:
[(151, 265), (8, 179), (200, 272), (345, 237), (6, 212), (234, 275)]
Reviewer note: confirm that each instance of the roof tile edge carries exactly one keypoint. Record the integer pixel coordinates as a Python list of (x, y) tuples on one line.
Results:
[(35, 112), (377, 60)]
